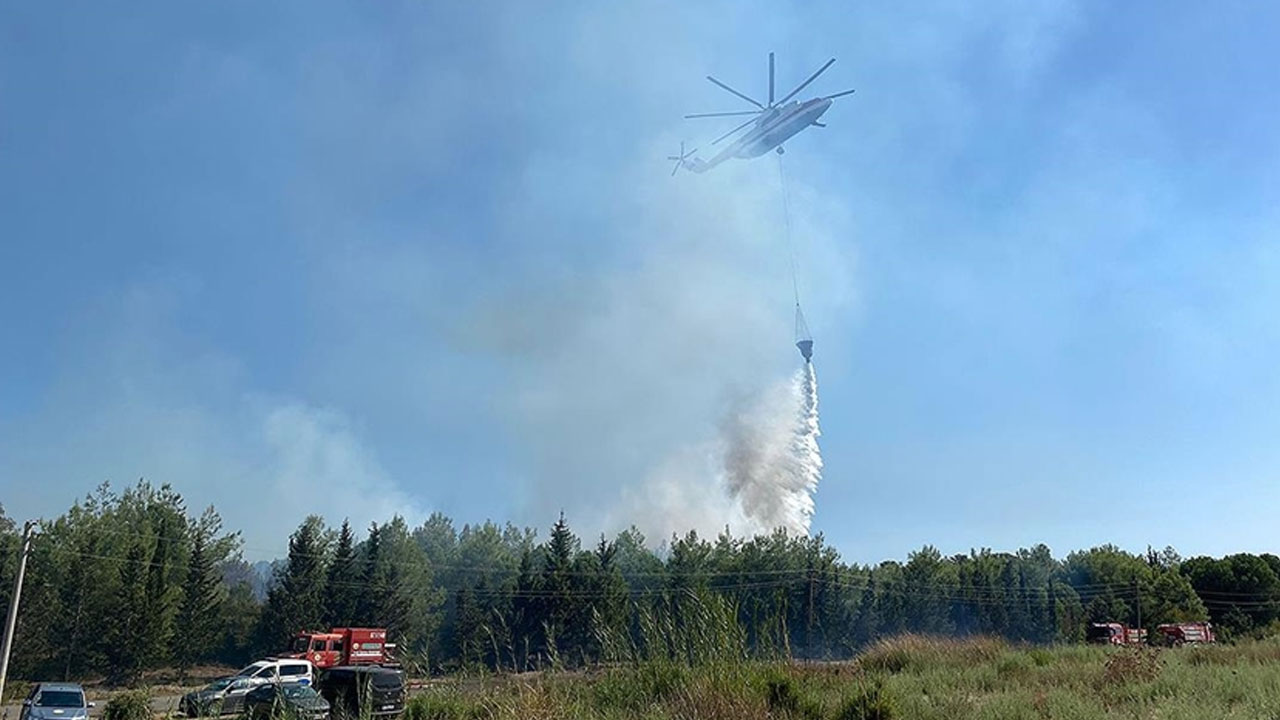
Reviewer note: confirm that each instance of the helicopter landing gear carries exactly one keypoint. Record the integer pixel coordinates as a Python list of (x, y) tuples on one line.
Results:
[(780, 150)]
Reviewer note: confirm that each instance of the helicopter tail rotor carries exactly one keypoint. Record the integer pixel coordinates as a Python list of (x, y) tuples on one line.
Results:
[(680, 159)]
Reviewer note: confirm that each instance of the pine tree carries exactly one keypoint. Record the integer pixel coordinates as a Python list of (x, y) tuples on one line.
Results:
[(561, 548), (296, 602), (164, 520), (608, 614), (525, 618), (157, 604), (369, 604), (867, 625), (202, 594), (396, 607), (397, 590), (9, 544), (468, 630), (126, 648), (238, 619), (382, 602), (342, 583), (558, 604), (86, 588)]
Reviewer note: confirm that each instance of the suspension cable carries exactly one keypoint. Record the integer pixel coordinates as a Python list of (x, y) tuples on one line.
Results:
[(791, 247)]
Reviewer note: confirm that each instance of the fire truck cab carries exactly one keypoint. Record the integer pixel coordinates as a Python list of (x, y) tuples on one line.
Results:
[(343, 646), (1115, 634)]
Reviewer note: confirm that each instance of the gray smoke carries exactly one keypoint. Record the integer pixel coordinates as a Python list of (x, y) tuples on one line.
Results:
[(772, 461)]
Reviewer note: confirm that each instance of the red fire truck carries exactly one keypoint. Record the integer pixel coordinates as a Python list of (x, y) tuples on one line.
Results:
[(343, 646), (1115, 634), (1192, 633)]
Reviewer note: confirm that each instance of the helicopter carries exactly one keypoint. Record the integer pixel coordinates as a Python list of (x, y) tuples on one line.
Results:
[(775, 123)]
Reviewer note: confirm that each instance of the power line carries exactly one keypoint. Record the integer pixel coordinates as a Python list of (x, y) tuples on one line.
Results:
[(798, 573), (946, 592), (513, 567), (844, 576)]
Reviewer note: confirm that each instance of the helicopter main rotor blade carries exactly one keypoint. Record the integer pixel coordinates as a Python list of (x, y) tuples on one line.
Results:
[(725, 114), (770, 79), (839, 94), (805, 84), (717, 140), (735, 92)]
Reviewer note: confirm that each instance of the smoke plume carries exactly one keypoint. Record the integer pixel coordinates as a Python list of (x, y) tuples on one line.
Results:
[(772, 462)]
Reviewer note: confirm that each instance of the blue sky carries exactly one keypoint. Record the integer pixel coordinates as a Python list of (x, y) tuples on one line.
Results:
[(403, 257)]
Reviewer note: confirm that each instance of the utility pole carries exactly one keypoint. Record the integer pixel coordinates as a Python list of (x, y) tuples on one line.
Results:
[(11, 621), (1137, 593), (809, 631)]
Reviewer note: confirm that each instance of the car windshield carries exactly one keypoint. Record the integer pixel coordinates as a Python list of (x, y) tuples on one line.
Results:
[(61, 698), (387, 680), (220, 683), (298, 692), (250, 670)]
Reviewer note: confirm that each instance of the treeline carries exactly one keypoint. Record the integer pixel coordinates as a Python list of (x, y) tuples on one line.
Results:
[(125, 582)]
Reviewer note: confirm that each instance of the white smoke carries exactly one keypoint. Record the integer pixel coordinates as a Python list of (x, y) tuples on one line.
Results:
[(772, 462), (757, 475)]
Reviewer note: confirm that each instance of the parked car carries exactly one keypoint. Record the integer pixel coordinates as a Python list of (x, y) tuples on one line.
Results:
[(275, 700), (55, 701), (224, 696), (289, 670), (363, 691)]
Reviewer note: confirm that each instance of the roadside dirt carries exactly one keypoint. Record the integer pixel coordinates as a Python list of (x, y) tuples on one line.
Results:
[(165, 685)]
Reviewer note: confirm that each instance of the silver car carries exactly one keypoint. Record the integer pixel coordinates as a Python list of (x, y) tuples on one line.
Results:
[(55, 701), (224, 696)]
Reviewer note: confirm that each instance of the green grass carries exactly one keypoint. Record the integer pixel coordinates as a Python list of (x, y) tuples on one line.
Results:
[(910, 677)]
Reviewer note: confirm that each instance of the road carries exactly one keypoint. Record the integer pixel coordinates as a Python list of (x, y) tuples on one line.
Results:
[(168, 704), (161, 704)]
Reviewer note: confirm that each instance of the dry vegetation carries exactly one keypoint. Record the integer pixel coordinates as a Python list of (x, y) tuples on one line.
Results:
[(907, 677)]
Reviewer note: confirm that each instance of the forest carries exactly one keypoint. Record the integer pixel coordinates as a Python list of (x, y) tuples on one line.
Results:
[(133, 580)]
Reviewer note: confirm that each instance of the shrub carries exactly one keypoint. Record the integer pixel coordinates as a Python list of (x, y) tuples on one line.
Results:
[(1130, 666), (782, 695), (867, 702), (129, 705)]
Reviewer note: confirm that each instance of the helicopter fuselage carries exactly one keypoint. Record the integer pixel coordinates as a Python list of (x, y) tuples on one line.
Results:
[(779, 125), (776, 126)]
